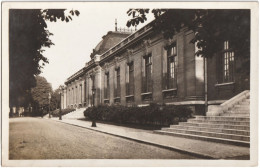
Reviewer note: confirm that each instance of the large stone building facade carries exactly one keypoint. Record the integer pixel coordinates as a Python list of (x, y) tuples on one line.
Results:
[(143, 67)]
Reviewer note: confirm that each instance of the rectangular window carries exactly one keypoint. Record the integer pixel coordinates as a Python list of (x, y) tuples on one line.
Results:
[(117, 86), (69, 97), (81, 94), (93, 90), (93, 82), (147, 80), (85, 92), (227, 64), (106, 86), (171, 67), (130, 79)]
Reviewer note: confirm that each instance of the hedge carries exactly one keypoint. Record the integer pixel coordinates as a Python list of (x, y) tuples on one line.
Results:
[(148, 115)]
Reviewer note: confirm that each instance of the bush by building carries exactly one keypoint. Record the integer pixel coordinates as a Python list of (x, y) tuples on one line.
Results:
[(148, 115)]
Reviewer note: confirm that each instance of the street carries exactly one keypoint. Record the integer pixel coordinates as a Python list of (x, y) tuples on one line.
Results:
[(36, 138)]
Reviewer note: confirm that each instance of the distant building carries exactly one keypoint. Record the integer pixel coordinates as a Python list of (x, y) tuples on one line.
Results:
[(143, 67)]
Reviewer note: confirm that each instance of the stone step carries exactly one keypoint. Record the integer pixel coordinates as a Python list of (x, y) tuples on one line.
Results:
[(219, 122), (238, 111), (237, 107), (222, 118), (241, 105), (72, 116), (206, 138), (224, 126), (236, 114), (246, 100), (75, 115), (244, 103), (210, 134), (217, 130), (79, 113)]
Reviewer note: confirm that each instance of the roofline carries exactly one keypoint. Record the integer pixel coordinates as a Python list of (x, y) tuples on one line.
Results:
[(132, 37)]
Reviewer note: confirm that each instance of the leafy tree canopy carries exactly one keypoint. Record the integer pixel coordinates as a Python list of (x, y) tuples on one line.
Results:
[(40, 93), (28, 34), (211, 27), (55, 99)]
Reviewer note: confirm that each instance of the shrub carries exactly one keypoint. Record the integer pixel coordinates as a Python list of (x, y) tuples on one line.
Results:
[(153, 115)]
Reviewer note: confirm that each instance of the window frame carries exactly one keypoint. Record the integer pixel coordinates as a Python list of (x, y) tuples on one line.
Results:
[(171, 58), (117, 89), (129, 79), (148, 73), (107, 86), (227, 63)]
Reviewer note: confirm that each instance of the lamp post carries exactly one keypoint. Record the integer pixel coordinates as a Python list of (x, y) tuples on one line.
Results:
[(93, 104), (60, 90), (49, 97)]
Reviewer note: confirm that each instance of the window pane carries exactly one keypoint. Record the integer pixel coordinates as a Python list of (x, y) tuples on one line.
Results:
[(131, 80), (171, 68), (228, 65), (118, 83)]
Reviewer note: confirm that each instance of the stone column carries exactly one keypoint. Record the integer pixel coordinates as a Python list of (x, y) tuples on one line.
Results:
[(97, 85), (85, 90), (80, 89), (62, 100), (89, 91), (69, 98), (75, 94), (78, 94), (73, 90), (199, 73), (65, 98), (81, 93)]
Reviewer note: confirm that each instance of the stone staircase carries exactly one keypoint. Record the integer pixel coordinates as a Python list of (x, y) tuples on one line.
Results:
[(77, 114), (231, 126), (240, 109)]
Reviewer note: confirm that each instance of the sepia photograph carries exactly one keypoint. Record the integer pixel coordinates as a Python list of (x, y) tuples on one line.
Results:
[(129, 84)]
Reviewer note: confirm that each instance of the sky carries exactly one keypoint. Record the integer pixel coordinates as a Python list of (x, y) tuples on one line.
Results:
[(75, 40)]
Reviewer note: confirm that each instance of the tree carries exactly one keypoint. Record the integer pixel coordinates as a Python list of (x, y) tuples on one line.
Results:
[(28, 34), (55, 100), (40, 94), (209, 26)]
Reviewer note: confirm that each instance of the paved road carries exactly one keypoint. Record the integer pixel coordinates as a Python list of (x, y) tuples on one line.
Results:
[(35, 138)]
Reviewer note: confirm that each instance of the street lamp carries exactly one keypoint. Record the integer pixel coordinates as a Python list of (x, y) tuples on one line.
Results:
[(93, 104), (49, 97), (60, 91)]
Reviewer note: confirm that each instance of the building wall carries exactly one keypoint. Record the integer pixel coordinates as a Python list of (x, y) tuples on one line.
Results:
[(224, 91), (190, 86), (190, 75)]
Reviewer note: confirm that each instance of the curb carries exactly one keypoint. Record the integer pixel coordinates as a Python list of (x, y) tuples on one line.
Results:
[(192, 153)]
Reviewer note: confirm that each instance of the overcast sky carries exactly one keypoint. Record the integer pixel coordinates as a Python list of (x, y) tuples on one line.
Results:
[(75, 40)]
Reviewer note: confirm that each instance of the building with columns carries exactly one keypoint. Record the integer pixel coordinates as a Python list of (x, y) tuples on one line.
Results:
[(142, 67)]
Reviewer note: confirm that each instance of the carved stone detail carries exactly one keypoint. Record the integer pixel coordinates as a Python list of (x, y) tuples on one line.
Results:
[(116, 61), (129, 54), (169, 42), (146, 44)]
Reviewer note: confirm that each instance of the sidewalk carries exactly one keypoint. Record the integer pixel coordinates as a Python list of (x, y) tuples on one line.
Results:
[(202, 149)]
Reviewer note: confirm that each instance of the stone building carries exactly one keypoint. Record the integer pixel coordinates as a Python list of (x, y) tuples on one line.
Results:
[(139, 68)]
